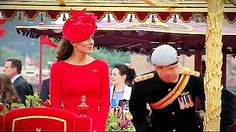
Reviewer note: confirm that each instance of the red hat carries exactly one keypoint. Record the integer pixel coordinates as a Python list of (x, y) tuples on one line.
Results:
[(80, 26)]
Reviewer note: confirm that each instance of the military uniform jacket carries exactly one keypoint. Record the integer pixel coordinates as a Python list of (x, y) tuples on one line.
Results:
[(172, 117)]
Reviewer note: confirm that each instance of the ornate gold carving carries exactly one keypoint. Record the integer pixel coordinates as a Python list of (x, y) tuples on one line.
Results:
[(212, 79)]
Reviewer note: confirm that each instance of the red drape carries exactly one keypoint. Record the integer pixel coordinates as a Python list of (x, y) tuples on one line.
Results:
[(44, 40)]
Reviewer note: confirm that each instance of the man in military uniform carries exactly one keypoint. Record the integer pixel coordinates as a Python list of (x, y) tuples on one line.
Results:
[(170, 91)]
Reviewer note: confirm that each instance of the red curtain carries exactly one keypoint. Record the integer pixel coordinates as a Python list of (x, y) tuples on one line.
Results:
[(44, 40)]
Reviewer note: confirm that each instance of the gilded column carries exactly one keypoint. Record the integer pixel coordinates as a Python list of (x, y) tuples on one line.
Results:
[(213, 74)]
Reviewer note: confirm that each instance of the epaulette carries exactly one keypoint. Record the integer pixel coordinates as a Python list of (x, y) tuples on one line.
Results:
[(185, 70), (144, 77)]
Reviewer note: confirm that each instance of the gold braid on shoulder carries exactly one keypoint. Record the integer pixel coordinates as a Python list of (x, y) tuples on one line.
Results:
[(185, 70), (144, 77)]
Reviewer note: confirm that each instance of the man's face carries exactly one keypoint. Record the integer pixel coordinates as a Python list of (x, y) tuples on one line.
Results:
[(169, 74), (9, 70)]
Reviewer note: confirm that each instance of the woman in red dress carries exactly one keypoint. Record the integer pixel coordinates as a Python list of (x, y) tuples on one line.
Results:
[(76, 73)]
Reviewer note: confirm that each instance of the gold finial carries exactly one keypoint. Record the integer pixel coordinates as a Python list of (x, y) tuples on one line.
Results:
[(83, 107)]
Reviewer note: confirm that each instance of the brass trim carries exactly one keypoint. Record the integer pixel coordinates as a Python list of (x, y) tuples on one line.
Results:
[(101, 5), (125, 9), (150, 2), (190, 29), (61, 2), (29, 117)]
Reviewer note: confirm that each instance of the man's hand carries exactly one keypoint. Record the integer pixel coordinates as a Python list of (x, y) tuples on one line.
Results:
[(201, 114)]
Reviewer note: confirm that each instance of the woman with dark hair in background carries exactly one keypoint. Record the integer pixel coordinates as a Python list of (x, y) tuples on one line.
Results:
[(76, 73), (121, 79), (7, 92)]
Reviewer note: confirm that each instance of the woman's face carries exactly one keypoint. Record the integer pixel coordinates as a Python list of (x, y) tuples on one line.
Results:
[(85, 46), (116, 78)]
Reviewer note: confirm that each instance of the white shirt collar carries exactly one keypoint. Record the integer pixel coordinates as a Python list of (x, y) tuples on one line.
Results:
[(15, 77)]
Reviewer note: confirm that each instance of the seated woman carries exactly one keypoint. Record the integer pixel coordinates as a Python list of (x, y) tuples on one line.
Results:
[(7, 92), (121, 79)]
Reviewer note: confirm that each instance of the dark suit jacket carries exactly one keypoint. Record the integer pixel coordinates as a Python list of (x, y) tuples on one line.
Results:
[(45, 90), (228, 112), (23, 89)]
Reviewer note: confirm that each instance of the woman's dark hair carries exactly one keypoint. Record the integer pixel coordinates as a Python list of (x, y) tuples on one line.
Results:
[(125, 70), (65, 50), (9, 94)]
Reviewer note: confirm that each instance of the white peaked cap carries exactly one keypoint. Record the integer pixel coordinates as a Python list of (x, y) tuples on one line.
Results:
[(164, 55)]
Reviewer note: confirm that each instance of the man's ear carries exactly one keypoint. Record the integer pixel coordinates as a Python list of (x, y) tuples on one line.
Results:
[(14, 70)]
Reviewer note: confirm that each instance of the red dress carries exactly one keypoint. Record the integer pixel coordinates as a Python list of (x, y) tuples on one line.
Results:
[(69, 82)]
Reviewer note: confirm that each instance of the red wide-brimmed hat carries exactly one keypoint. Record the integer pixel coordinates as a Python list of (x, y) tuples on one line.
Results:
[(80, 26)]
